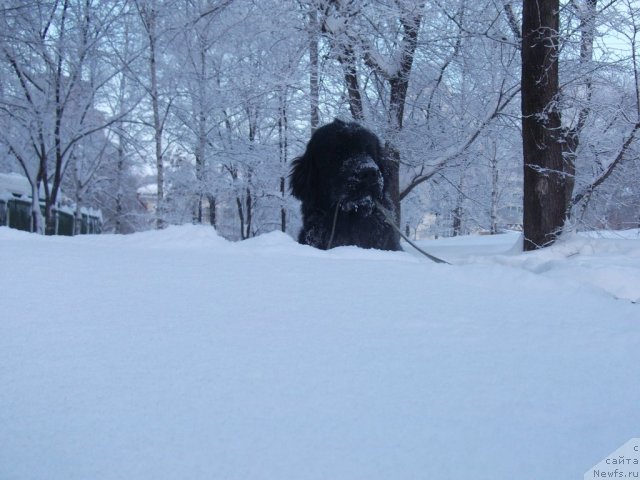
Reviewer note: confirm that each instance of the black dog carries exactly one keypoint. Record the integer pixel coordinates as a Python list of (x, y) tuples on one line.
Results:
[(342, 180)]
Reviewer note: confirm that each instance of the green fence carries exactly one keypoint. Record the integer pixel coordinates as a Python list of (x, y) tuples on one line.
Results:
[(19, 214), (3, 212), (16, 213)]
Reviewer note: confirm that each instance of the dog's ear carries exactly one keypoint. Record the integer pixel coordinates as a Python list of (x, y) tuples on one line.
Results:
[(339, 123), (302, 180)]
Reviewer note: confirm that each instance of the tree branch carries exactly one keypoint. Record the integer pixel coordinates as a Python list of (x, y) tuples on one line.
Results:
[(443, 161), (606, 173)]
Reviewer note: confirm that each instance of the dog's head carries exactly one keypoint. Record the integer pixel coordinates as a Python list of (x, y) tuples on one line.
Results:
[(343, 163)]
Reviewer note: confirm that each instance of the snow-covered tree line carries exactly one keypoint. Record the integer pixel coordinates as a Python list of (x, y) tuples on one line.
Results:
[(173, 111)]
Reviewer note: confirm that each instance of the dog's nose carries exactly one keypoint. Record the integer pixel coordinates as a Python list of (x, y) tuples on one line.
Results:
[(370, 176)]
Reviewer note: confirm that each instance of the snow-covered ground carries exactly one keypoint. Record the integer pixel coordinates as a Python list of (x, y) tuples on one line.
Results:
[(179, 355)]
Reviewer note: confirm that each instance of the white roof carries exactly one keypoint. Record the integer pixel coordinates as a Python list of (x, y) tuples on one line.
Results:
[(12, 184), (148, 189), (16, 184)]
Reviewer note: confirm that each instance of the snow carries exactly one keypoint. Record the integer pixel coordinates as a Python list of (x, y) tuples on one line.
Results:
[(609, 261), (14, 183), (149, 189), (176, 354)]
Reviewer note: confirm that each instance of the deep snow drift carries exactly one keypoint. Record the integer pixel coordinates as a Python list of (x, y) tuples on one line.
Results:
[(177, 354)]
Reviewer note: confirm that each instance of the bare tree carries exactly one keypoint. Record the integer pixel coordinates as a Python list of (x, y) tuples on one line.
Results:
[(544, 181), (149, 12), (51, 107), (610, 161), (586, 12), (198, 103), (314, 66)]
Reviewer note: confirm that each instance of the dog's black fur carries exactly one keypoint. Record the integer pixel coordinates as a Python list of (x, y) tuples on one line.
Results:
[(343, 164)]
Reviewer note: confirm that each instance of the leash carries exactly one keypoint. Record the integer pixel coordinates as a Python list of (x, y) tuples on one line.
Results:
[(333, 228), (390, 221)]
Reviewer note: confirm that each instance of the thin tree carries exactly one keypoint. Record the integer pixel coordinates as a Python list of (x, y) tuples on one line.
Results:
[(314, 70), (149, 16), (587, 14)]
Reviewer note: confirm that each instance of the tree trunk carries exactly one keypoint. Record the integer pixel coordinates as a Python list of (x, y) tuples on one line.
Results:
[(201, 142), (348, 62), (212, 211), (456, 227), (544, 182), (572, 135), (119, 188), (36, 214), (398, 88), (314, 73), (240, 217), (458, 211), (52, 196), (149, 17), (249, 201), (283, 209), (283, 146), (392, 187), (77, 215), (494, 193), (157, 134)]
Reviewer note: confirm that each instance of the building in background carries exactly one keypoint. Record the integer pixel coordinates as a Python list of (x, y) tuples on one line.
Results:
[(15, 209)]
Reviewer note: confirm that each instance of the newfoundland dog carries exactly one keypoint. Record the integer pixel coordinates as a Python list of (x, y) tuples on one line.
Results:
[(341, 180)]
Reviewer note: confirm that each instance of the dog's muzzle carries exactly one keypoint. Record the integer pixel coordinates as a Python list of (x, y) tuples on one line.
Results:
[(364, 184)]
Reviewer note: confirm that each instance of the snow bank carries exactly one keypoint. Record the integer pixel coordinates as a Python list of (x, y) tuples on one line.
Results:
[(177, 354), (609, 261)]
